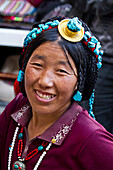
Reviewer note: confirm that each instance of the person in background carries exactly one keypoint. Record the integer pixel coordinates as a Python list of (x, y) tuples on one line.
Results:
[(99, 17), (43, 127), (36, 3)]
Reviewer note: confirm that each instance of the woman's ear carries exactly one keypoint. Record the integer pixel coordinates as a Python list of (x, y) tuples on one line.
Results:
[(76, 86)]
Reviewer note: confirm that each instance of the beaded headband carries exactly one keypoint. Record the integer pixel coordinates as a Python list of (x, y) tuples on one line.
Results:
[(71, 30), (41, 28)]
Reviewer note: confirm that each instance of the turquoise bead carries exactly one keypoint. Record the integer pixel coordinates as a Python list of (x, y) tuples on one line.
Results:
[(29, 39), (41, 25), (96, 51), (34, 30), (85, 38), (40, 148), (87, 33), (10, 146), (16, 166), (99, 65), (74, 25), (101, 52), (100, 58), (91, 45), (20, 136), (45, 27), (34, 35), (55, 23), (20, 76), (39, 31), (77, 96), (48, 23), (98, 45), (94, 40)]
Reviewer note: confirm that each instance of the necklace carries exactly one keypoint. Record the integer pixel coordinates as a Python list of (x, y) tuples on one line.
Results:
[(19, 165)]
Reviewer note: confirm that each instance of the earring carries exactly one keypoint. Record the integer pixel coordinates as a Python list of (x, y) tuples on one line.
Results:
[(20, 76), (77, 96), (91, 102)]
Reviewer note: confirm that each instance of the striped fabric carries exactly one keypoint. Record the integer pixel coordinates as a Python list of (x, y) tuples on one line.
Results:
[(17, 8)]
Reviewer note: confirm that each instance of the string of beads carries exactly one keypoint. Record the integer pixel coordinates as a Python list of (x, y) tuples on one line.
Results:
[(16, 165)]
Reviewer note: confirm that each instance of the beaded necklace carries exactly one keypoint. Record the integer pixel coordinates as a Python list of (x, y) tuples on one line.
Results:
[(19, 165)]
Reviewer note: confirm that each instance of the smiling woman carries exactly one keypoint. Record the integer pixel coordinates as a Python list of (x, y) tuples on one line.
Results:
[(49, 83), (58, 66)]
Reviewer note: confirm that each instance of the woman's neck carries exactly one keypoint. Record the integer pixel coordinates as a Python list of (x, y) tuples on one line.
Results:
[(39, 123)]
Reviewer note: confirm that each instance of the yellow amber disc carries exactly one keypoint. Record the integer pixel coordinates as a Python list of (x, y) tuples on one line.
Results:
[(70, 35), (53, 140)]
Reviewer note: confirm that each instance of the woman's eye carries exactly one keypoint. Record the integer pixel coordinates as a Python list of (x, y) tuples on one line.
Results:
[(62, 71), (37, 64)]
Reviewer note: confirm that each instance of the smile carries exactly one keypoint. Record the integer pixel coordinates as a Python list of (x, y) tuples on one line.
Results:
[(45, 96)]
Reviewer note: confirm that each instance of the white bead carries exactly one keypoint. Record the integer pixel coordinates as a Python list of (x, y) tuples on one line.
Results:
[(48, 147), (42, 156), (12, 147)]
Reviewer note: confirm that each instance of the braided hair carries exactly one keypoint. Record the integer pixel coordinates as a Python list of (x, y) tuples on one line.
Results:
[(83, 57)]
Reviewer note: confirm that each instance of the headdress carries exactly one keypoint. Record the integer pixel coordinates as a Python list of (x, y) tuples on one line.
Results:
[(71, 30)]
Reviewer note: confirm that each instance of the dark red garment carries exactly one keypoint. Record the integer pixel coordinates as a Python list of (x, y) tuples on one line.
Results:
[(35, 3), (81, 142)]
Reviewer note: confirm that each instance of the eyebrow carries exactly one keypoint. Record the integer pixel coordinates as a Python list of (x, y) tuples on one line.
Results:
[(65, 63), (38, 57)]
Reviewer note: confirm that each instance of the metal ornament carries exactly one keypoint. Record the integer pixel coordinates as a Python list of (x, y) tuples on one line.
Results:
[(19, 165), (20, 76), (77, 96), (66, 33)]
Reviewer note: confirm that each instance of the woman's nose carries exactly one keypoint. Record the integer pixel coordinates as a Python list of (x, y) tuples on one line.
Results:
[(46, 79)]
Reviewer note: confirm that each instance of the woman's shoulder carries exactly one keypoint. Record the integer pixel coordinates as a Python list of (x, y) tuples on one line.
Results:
[(89, 123), (84, 123), (17, 102), (86, 126), (14, 106), (97, 144)]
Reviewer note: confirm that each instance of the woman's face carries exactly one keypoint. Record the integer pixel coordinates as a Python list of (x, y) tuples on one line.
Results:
[(49, 79)]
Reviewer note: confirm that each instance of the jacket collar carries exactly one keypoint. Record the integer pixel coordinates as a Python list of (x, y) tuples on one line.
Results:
[(58, 130)]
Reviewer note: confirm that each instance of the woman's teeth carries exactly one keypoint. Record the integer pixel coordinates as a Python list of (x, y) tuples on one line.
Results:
[(47, 97)]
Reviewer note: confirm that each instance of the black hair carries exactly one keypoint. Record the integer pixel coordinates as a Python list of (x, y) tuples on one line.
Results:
[(83, 57)]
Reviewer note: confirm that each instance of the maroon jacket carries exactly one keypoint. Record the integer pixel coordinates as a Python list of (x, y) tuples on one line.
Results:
[(81, 142)]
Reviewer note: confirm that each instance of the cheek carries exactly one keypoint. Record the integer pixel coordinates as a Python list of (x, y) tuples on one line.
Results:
[(29, 77), (67, 86)]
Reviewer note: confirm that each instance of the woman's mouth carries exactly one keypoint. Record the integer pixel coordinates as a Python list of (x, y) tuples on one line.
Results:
[(45, 96)]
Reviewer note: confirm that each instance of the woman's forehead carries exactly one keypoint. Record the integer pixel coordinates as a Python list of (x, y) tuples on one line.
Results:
[(47, 49), (51, 49), (50, 46)]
